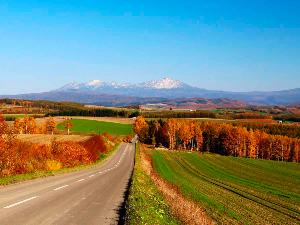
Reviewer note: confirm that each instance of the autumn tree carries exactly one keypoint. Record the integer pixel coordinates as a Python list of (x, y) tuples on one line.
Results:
[(18, 126), (140, 127), (50, 125), (184, 132), (30, 125), (171, 127), (3, 125), (198, 136), (68, 125), (154, 128), (211, 137), (251, 144), (26, 125)]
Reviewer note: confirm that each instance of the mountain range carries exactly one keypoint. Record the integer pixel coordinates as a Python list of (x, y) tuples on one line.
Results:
[(155, 91)]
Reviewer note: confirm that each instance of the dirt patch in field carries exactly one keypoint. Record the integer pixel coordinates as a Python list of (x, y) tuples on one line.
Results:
[(48, 138), (187, 211)]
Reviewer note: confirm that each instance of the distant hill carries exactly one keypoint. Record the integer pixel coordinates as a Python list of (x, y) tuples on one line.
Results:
[(156, 91), (195, 103)]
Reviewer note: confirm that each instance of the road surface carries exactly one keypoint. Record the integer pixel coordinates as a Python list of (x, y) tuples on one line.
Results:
[(92, 196)]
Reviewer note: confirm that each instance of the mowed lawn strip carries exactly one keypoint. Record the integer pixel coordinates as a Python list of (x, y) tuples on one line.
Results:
[(98, 127), (235, 190)]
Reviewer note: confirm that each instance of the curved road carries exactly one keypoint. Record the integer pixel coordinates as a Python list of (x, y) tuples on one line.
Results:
[(92, 196)]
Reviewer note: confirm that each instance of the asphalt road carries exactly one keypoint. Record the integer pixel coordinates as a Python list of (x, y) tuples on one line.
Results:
[(92, 196)]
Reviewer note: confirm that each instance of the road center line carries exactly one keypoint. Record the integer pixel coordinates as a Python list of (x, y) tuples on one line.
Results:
[(56, 189), (92, 175), (18, 203), (80, 180)]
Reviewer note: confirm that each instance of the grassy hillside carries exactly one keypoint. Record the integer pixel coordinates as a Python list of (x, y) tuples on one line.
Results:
[(98, 127), (235, 190)]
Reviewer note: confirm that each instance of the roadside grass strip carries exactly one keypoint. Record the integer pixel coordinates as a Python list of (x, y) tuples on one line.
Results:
[(145, 204)]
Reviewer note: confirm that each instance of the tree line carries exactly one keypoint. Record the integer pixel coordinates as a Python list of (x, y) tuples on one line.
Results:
[(43, 104), (96, 113), (290, 130), (221, 138)]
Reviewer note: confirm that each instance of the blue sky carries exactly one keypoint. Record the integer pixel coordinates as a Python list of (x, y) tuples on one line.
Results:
[(225, 45)]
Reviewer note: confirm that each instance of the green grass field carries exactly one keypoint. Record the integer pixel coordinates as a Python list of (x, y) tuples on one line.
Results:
[(235, 190), (98, 127)]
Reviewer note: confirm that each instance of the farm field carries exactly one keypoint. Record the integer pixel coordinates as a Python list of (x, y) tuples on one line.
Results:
[(21, 115), (98, 127), (235, 190), (107, 119), (48, 138)]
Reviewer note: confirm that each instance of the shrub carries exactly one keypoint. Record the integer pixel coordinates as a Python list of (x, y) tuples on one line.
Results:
[(95, 145), (70, 153), (53, 165)]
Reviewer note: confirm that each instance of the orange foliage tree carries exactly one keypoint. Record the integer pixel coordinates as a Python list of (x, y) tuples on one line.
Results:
[(50, 125), (198, 136), (3, 125), (68, 124), (141, 128), (70, 153), (171, 127), (26, 125)]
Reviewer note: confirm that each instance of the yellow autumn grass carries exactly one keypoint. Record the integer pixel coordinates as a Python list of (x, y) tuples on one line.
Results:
[(105, 119), (48, 138)]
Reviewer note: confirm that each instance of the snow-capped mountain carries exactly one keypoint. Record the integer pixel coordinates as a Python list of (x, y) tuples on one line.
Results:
[(92, 85), (165, 83), (97, 91), (166, 87)]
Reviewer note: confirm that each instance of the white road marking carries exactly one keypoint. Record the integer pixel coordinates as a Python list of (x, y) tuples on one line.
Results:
[(18, 203), (112, 168), (56, 189), (80, 180)]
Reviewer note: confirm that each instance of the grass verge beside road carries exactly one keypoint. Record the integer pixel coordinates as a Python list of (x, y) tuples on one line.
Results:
[(145, 204)]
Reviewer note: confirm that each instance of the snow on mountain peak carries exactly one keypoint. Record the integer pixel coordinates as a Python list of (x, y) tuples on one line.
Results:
[(72, 85), (94, 83), (165, 83)]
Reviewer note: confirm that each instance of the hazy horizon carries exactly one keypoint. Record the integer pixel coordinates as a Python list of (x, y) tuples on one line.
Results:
[(217, 45)]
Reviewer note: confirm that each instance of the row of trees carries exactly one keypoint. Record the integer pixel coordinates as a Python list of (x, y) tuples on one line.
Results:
[(290, 130), (44, 105), (224, 139), (28, 125), (96, 113)]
